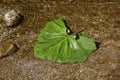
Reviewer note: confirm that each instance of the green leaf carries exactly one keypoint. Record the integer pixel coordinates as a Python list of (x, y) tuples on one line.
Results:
[(55, 44)]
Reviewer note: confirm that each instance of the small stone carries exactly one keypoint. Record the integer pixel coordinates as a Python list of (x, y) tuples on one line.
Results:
[(18, 35), (11, 17), (30, 41), (7, 49), (71, 0)]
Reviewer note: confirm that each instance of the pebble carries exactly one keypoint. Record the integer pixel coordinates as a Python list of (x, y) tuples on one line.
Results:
[(18, 35), (7, 49), (10, 18), (30, 41), (71, 0)]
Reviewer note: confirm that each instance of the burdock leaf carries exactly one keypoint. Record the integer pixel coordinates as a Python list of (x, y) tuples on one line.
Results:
[(55, 44)]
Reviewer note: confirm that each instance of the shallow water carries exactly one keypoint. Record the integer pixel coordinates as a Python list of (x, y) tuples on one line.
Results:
[(101, 19)]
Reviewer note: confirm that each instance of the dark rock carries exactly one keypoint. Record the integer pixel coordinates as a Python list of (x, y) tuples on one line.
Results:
[(8, 49)]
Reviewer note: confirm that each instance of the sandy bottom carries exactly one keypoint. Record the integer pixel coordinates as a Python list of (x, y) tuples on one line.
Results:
[(101, 20)]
